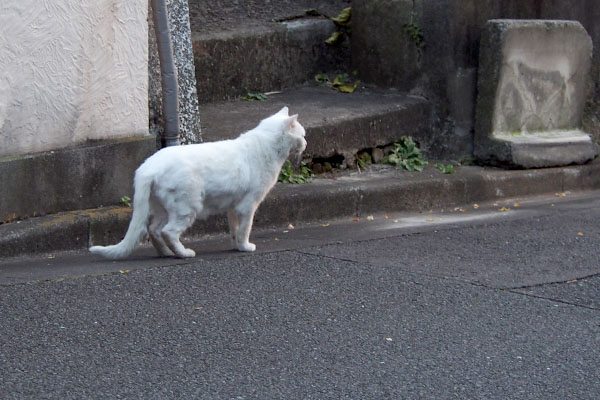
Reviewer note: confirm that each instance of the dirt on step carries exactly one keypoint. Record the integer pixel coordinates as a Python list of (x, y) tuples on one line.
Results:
[(225, 15)]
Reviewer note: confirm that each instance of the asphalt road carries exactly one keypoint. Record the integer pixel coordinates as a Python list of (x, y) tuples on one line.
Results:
[(484, 302)]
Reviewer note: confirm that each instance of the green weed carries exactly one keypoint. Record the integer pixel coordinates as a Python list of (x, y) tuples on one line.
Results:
[(446, 169), (125, 201), (288, 175), (255, 96), (406, 155)]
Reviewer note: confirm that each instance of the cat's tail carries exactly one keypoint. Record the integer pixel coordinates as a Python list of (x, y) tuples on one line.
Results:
[(137, 226)]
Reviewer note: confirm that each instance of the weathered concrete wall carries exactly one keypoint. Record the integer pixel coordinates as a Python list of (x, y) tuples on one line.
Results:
[(443, 67), (71, 72)]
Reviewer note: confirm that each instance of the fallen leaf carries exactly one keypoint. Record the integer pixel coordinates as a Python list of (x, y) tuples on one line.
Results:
[(52, 256), (347, 87), (325, 225), (344, 18), (355, 220), (389, 339), (503, 209), (476, 206), (517, 205), (277, 239), (335, 37), (579, 233), (124, 271), (430, 219), (290, 226), (387, 216)]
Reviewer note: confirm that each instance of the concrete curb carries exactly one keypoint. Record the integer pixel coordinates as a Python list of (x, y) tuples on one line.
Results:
[(349, 196)]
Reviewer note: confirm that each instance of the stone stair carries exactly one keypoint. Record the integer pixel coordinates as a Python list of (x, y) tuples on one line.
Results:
[(283, 58)]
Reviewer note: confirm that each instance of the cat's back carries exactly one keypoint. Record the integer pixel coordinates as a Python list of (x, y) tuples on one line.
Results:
[(191, 156)]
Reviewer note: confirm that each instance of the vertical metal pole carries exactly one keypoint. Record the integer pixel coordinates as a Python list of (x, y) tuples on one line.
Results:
[(170, 101)]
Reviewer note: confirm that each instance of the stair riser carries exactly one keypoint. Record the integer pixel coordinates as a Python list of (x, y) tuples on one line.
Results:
[(347, 135), (230, 65)]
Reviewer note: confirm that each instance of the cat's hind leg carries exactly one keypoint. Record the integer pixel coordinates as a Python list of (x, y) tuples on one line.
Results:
[(158, 219), (178, 222), (234, 224)]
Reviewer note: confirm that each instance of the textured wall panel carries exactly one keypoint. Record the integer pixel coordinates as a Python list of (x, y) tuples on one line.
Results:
[(71, 71)]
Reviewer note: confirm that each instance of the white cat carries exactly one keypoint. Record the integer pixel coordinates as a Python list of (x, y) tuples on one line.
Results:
[(179, 184)]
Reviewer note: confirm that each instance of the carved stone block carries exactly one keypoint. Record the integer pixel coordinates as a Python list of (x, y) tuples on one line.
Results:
[(532, 87)]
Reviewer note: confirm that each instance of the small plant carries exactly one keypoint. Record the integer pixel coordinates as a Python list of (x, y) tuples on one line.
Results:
[(363, 159), (415, 32), (466, 161), (323, 79), (255, 96), (125, 201), (445, 169), (406, 155), (288, 175)]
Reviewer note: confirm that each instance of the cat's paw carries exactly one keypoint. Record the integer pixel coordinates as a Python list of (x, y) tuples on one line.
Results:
[(186, 253), (249, 247)]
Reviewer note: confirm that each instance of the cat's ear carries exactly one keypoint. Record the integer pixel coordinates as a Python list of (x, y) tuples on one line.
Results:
[(283, 111), (289, 123)]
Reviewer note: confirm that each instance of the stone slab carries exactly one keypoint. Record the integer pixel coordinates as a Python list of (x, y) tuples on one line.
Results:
[(533, 77)]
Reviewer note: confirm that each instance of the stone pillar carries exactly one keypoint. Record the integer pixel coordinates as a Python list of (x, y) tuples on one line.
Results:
[(189, 115), (532, 87)]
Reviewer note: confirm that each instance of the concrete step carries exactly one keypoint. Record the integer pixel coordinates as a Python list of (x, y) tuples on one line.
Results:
[(336, 123), (348, 195), (264, 58)]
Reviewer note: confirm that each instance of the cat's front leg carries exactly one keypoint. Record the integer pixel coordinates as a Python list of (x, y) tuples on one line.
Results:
[(243, 233)]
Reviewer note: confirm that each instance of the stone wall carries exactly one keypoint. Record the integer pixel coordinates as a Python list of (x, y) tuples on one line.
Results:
[(431, 48)]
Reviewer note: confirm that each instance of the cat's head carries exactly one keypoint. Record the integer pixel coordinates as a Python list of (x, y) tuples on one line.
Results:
[(294, 131)]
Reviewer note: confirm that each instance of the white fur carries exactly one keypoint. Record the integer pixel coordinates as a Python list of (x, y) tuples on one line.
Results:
[(180, 184)]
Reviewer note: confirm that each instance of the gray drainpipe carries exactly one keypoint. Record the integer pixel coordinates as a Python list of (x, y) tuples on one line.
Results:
[(168, 72)]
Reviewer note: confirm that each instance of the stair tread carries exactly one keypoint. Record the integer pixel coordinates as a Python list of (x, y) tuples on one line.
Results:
[(335, 123)]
